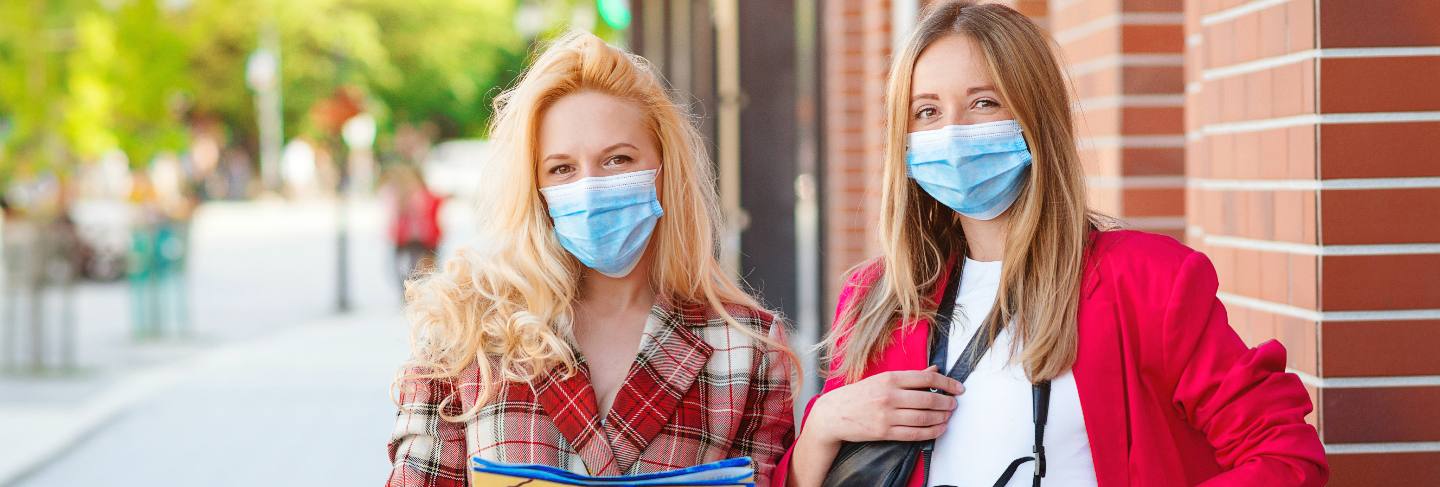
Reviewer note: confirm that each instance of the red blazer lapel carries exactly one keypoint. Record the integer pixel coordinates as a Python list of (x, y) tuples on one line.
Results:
[(670, 360), (910, 342), (571, 405), (1100, 377)]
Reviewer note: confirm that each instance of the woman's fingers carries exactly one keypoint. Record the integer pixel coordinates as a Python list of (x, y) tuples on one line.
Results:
[(912, 433), (918, 417), (925, 379), (909, 399)]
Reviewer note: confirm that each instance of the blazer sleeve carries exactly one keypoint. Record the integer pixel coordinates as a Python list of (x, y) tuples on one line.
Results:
[(425, 449), (1251, 410), (767, 426)]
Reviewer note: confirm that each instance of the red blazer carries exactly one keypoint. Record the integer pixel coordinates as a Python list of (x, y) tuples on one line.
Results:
[(1170, 394)]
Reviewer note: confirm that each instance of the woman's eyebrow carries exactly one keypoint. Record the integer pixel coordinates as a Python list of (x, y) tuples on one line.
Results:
[(554, 156), (977, 89), (619, 145), (924, 96)]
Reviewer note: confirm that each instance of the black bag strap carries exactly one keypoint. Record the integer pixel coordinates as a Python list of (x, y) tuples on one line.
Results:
[(1040, 400), (940, 326), (965, 364)]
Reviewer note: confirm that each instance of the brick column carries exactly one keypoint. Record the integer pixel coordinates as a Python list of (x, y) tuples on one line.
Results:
[(856, 54), (1125, 61), (1313, 135), (1035, 9)]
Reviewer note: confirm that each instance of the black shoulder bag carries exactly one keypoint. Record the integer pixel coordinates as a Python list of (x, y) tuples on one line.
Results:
[(891, 463)]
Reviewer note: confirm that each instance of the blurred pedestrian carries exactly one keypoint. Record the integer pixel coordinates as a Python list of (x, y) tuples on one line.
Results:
[(415, 221), (159, 246)]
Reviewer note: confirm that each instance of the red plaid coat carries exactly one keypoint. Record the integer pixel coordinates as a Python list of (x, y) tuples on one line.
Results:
[(698, 392)]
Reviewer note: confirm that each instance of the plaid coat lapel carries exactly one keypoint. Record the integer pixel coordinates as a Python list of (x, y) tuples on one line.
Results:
[(671, 357), (570, 403)]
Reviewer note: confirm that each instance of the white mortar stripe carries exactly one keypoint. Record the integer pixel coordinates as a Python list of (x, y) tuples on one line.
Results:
[(1311, 249), (1193, 40), (1312, 315), (1124, 60), (1131, 101), (1367, 382), (1133, 18), (1363, 52), (1134, 141), (1136, 182), (1259, 125), (1313, 184), (1236, 12), (1155, 222), (1262, 245), (1256, 65), (1380, 117), (1269, 307), (1330, 53), (1058, 5), (1314, 119), (1395, 447)]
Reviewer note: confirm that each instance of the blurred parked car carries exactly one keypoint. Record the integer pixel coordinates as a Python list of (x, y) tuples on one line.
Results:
[(453, 168)]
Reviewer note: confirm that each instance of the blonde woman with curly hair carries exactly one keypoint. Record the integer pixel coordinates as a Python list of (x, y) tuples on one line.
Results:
[(598, 235)]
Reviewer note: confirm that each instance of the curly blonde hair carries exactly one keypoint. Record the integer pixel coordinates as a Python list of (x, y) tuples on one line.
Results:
[(503, 304)]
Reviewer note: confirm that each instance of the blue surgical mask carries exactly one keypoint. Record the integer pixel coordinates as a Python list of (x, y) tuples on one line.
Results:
[(606, 221), (977, 170)]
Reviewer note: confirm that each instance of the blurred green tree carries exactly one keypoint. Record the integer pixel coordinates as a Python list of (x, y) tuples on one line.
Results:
[(78, 78), (81, 77)]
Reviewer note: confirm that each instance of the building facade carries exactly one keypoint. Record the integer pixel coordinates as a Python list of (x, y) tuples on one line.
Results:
[(1295, 142)]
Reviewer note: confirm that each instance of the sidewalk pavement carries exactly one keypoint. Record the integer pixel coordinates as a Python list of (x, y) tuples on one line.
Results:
[(305, 406), (266, 348)]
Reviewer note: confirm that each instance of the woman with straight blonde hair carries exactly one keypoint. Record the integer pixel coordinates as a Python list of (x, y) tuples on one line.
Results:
[(598, 234), (1064, 352)]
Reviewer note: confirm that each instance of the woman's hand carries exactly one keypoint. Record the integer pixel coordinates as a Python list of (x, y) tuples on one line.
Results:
[(896, 406)]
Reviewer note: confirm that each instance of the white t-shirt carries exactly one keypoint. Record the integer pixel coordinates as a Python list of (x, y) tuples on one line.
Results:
[(993, 422)]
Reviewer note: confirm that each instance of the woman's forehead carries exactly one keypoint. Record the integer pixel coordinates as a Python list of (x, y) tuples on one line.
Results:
[(950, 65)]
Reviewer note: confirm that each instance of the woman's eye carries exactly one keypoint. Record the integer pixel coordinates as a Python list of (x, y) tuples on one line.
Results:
[(924, 113), (986, 103), (562, 170), (617, 160)]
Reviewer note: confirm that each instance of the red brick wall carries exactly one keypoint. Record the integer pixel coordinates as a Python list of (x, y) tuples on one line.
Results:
[(856, 52), (1125, 61), (1315, 187)]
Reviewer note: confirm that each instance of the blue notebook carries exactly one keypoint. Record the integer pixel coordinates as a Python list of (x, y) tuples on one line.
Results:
[(738, 472)]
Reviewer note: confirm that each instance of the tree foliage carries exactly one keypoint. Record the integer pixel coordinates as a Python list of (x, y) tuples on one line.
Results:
[(81, 77)]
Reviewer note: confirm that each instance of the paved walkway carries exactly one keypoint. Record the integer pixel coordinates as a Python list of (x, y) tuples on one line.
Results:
[(271, 388), (306, 406)]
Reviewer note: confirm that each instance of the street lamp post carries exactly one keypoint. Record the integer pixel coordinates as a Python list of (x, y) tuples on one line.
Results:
[(358, 132), (334, 115), (262, 73), (359, 135)]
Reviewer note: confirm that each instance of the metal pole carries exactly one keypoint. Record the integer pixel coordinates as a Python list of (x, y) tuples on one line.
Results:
[(268, 106), (342, 238), (727, 53)]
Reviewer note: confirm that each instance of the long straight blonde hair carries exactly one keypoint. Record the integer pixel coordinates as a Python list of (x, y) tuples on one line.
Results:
[(504, 304), (1049, 223)]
